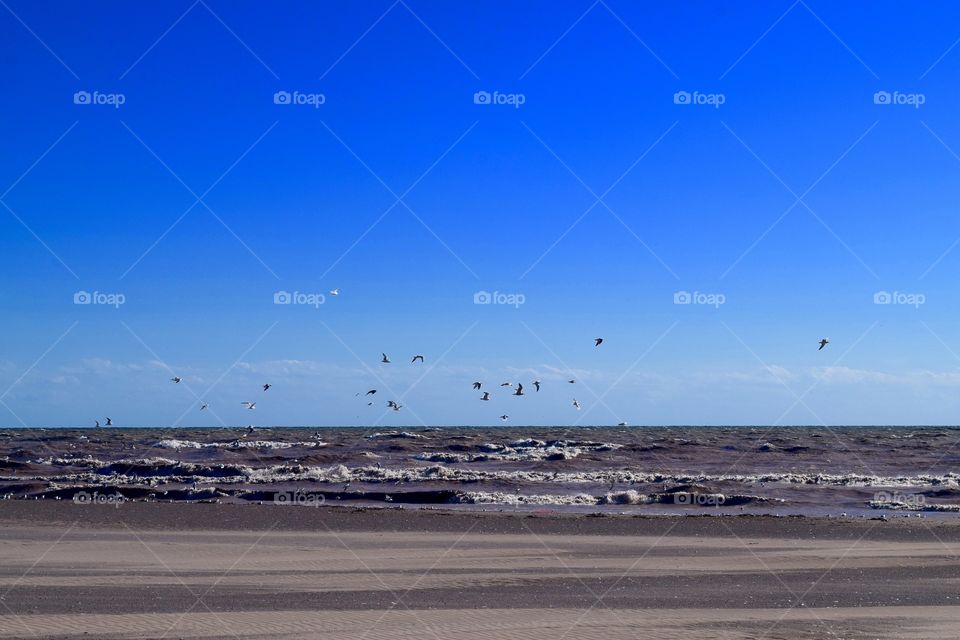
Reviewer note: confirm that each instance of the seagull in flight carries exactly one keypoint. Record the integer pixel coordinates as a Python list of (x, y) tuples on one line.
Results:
[(109, 422), (385, 359), (98, 424), (393, 405), (335, 292), (823, 342), (476, 386), (504, 417), (506, 384), (204, 406), (576, 404), (417, 357), (621, 424), (519, 391), (371, 392), (267, 386), (597, 342), (536, 383), (249, 405), (176, 379), (571, 381), (486, 395)]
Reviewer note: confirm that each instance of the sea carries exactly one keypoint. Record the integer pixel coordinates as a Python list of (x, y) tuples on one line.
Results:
[(864, 471)]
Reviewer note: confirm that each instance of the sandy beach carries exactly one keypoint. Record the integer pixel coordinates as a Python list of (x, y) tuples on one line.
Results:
[(155, 570)]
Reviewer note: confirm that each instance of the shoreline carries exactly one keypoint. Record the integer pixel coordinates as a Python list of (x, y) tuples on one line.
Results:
[(178, 516)]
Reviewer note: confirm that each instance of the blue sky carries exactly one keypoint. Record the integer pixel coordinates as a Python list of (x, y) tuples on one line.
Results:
[(617, 183)]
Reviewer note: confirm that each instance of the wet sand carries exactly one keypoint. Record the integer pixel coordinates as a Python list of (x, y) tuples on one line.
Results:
[(170, 570)]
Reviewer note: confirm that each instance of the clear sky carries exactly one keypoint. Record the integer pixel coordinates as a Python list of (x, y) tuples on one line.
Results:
[(193, 160)]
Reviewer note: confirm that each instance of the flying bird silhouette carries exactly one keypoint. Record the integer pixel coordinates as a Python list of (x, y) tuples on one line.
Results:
[(476, 386), (204, 406), (504, 417), (519, 391), (417, 357), (267, 386), (335, 292), (597, 342), (249, 405), (536, 383), (824, 342), (576, 404), (486, 395), (371, 392), (385, 360), (176, 379), (109, 422)]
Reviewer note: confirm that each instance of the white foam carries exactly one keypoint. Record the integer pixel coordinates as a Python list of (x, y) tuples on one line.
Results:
[(516, 499), (445, 473), (626, 497), (237, 444), (521, 450), (173, 443), (396, 434), (894, 505)]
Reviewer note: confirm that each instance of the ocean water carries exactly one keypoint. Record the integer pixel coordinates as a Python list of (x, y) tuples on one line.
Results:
[(814, 471)]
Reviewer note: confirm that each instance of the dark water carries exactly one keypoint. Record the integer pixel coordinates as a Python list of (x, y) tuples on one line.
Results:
[(656, 470)]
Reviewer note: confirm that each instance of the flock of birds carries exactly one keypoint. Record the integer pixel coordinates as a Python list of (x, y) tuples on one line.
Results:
[(477, 386), (393, 404)]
